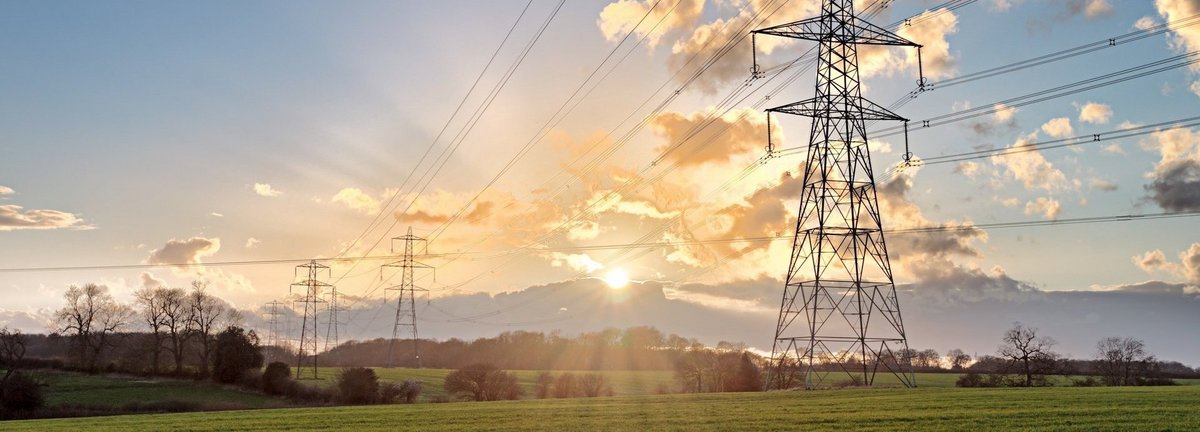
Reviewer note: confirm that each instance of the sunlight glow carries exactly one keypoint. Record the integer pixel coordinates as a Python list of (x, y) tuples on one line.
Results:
[(616, 279)]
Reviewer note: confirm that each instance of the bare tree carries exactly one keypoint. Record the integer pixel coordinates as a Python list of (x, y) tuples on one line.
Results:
[(149, 301), (91, 316), (1029, 352), (957, 359), (176, 323), (12, 352), (1123, 361), (207, 312), (928, 358)]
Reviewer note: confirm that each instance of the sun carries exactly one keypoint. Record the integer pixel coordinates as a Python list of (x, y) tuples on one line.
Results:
[(616, 279)]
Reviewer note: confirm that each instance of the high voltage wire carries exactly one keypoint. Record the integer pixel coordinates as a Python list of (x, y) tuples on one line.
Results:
[(913, 230)]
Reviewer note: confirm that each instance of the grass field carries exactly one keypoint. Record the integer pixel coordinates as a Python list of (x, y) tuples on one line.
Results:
[(936, 409), (65, 388)]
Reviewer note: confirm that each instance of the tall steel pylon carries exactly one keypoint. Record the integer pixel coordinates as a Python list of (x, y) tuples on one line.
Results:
[(332, 322), (306, 356), (406, 303), (272, 341), (839, 315)]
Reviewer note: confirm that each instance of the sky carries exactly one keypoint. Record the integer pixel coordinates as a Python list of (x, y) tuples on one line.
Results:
[(152, 135)]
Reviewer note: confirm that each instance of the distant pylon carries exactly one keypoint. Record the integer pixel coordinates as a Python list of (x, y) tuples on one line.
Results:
[(839, 313), (331, 331), (406, 303), (272, 341), (306, 356)]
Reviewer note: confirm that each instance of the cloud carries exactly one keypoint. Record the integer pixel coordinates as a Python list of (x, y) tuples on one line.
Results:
[(603, 201), (1145, 22), (1031, 167), (1175, 180), (14, 218), (1003, 5), (619, 18), (1113, 148), (266, 190), (967, 168), (1093, 8), (1102, 184), (1186, 36), (1195, 87), (180, 252), (1058, 128), (1095, 113), (693, 143), (215, 214), (6, 191), (1049, 208), (149, 281), (931, 30), (356, 199), (578, 262), (252, 243), (1187, 269), (1004, 113)]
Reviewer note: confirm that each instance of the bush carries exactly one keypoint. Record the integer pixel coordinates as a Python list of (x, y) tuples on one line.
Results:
[(276, 378), (593, 385), (358, 385), (1085, 382), (972, 379), (388, 392), (22, 394), (410, 390), (236, 352), (545, 382), (482, 382), (565, 386)]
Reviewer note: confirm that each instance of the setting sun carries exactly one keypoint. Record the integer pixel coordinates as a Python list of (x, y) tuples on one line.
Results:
[(616, 279)]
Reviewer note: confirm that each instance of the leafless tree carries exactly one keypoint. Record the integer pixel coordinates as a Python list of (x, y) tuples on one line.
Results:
[(91, 316), (176, 323), (957, 359), (149, 301), (1032, 354), (207, 312), (928, 358), (1123, 361), (12, 352)]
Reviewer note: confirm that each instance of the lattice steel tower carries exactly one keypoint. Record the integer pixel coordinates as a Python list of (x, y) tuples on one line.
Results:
[(272, 342), (406, 303), (839, 315), (306, 355)]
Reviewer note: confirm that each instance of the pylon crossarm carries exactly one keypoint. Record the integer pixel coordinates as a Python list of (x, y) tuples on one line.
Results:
[(859, 108), (817, 29)]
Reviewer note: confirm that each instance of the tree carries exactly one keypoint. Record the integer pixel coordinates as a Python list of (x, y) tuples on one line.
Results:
[(565, 386), (177, 323), (543, 385), (1123, 361), (206, 312), (12, 352), (957, 359), (1030, 353), (358, 385), (149, 301), (236, 351), (482, 382), (594, 384), (90, 317), (276, 377), (21, 393), (928, 358), (747, 377)]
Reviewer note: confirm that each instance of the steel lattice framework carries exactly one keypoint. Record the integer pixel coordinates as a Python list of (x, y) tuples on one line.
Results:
[(839, 315), (306, 356), (406, 302)]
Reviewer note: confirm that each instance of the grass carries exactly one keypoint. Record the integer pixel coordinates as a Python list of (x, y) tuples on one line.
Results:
[(67, 388), (927, 408)]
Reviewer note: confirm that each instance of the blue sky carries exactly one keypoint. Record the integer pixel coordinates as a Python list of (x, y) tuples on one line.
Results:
[(145, 126)]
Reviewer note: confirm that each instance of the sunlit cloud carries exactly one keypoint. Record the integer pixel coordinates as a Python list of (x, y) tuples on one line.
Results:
[(266, 190)]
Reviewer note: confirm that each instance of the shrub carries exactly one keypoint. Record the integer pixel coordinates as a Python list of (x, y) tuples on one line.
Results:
[(565, 386), (482, 382), (275, 378), (358, 385), (389, 392), (972, 379), (410, 390), (545, 383), (1085, 382), (236, 352), (22, 394), (593, 385)]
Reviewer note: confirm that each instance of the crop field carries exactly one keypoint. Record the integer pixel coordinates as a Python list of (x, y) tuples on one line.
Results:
[(64, 388), (938, 409)]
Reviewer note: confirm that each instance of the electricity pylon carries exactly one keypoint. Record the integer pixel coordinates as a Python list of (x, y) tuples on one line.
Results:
[(273, 342), (406, 303), (306, 356), (331, 331), (839, 313)]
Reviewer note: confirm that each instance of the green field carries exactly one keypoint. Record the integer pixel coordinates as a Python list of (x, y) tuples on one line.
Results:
[(945, 409), (65, 388)]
